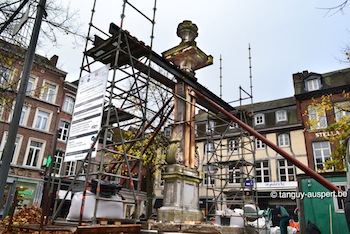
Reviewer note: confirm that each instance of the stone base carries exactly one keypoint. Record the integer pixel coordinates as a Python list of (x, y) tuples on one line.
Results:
[(178, 215), (200, 228), (181, 195)]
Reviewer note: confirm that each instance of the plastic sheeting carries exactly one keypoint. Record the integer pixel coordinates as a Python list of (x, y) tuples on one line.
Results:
[(111, 208)]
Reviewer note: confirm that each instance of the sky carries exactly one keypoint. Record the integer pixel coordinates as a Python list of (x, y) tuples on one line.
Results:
[(285, 37)]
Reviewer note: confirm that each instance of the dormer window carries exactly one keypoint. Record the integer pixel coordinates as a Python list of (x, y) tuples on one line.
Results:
[(281, 116), (259, 119), (312, 83)]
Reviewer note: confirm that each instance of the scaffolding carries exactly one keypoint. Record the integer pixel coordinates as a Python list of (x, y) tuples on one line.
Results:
[(139, 100), (229, 157), (228, 163), (131, 105)]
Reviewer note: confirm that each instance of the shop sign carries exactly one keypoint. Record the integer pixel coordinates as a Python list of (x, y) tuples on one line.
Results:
[(26, 192), (327, 134)]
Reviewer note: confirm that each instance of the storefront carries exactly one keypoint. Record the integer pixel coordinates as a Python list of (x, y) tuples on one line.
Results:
[(270, 194), (29, 192)]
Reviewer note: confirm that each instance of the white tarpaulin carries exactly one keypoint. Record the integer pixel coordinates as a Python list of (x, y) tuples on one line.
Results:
[(111, 208), (87, 115)]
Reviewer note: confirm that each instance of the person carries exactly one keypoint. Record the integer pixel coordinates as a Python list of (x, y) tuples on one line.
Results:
[(282, 213)]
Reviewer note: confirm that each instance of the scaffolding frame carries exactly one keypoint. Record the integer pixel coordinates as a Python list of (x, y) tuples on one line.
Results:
[(136, 71), (132, 110), (233, 157), (233, 160)]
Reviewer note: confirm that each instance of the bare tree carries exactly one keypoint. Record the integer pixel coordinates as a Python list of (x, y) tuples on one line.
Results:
[(17, 19), (337, 8), (16, 24)]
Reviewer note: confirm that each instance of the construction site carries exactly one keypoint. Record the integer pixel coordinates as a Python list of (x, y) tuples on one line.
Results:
[(151, 116)]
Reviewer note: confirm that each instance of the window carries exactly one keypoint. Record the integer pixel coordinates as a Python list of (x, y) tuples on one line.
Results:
[(5, 76), (63, 130), (24, 115), (209, 148), (17, 146), (262, 171), (233, 125), (339, 200), (259, 119), (160, 179), (341, 110), (283, 140), (209, 174), (86, 166), (167, 132), (233, 146), (68, 104), (42, 120), (70, 168), (259, 144), (57, 166), (210, 126), (31, 86), (286, 170), (312, 84), (317, 118), (281, 116), (34, 154), (234, 174), (49, 92), (322, 152)]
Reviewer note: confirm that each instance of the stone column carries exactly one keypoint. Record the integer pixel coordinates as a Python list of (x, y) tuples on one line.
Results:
[(181, 176)]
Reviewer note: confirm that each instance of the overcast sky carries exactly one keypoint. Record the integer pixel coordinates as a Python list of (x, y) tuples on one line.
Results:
[(286, 37)]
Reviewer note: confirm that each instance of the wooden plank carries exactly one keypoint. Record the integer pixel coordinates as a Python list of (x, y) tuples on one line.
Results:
[(111, 221), (46, 229), (103, 229)]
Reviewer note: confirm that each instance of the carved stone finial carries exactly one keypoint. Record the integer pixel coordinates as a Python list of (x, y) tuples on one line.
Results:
[(187, 31)]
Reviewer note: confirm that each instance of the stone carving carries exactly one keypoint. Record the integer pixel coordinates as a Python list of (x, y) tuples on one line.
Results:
[(174, 153)]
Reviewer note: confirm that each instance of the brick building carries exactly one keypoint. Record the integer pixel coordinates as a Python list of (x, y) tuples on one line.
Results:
[(310, 88), (46, 115)]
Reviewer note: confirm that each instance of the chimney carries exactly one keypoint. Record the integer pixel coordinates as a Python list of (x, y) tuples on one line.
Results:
[(53, 60)]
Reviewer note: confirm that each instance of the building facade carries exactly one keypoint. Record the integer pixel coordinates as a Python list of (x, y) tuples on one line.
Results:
[(332, 90), (44, 122), (237, 169), (311, 88)]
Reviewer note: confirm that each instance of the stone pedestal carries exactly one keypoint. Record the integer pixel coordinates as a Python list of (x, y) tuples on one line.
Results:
[(181, 195), (181, 189)]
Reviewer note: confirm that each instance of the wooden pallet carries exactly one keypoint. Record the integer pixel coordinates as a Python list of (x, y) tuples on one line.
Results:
[(106, 221)]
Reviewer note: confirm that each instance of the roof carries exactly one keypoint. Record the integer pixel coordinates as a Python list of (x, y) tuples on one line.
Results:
[(38, 59), (273, 104)]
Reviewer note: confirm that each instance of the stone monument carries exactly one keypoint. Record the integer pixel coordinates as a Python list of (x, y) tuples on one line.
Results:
[(181, 176)]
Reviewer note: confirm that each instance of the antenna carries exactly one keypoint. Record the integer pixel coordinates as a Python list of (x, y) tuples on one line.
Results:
[(220, 76)]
